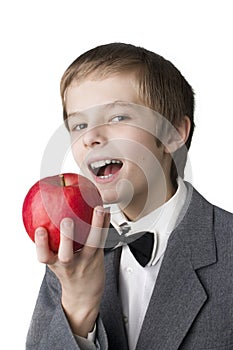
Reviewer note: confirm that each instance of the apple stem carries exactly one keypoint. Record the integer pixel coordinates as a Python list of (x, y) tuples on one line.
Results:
[(62, 178)]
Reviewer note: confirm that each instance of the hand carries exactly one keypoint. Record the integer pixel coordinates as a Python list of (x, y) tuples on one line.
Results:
[(81, 274)]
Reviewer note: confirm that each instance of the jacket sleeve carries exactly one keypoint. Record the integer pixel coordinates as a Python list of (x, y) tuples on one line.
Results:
[(49, 328)]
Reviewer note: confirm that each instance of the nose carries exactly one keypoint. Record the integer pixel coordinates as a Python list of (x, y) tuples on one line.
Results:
[(95, 137)]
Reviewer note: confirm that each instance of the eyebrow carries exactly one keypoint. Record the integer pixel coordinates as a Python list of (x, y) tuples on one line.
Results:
[(106, 106)]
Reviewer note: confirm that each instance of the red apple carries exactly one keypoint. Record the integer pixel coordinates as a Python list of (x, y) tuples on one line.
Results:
[(53, 198)]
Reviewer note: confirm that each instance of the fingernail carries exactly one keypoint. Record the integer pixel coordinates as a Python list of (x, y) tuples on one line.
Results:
[(99, 211), (40, 232), (67, 223)]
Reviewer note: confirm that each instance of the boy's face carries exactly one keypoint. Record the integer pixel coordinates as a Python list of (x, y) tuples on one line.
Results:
[(113, 143)]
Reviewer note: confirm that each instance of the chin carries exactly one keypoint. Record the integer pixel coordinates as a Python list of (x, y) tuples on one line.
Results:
[(109, 196)]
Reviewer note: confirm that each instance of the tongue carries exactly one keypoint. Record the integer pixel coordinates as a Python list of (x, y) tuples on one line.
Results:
[(112, 169)]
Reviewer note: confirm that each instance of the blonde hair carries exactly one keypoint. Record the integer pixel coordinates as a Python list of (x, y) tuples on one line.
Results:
[(161, 86)]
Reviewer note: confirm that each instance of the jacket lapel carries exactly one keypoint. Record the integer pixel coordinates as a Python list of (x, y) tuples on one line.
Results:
[(111, 311), (179, 295)]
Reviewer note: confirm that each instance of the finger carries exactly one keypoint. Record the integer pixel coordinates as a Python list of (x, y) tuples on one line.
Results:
[(98, 232), (105, 230), (44, 254), (107, 218), (65, 252)]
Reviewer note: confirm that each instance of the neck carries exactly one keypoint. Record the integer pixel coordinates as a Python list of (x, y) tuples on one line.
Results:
[(143, 205)]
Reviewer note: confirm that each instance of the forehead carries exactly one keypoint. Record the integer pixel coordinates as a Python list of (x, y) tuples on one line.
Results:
[(92, 92)]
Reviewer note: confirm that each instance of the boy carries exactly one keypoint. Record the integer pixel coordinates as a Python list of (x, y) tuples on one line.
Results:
[(130, 116)]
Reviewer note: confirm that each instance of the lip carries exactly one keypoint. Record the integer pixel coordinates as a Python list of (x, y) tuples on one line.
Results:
[(107, 180), (99, 180)]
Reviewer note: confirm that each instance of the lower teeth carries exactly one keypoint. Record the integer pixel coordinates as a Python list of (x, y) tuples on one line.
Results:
[(105, 176)]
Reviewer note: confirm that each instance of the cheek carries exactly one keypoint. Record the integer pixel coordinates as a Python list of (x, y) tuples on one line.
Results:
[(149, 162), (143, 151), (77, 153)]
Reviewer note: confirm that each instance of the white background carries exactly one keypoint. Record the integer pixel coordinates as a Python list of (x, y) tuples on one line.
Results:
[(39, 39)]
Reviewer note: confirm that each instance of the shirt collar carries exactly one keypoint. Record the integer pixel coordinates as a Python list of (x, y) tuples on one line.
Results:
[(160, 221)]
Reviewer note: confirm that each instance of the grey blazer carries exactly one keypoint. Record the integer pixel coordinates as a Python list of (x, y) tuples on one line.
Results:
[(191, 307)]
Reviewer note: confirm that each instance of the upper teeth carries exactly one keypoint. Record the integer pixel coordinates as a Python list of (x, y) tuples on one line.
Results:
[(101, 163)]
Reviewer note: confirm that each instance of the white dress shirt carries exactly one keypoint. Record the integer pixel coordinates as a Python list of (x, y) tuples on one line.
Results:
[(137, 283)]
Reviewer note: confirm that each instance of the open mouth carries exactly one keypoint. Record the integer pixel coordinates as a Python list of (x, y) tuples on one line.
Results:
[(105, 169)]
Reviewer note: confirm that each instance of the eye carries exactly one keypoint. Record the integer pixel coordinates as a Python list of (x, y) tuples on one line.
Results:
[(119, 118), (79, 127)]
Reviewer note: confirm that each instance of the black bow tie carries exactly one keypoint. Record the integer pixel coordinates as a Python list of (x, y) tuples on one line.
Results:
[(140, 244), (142, 247)]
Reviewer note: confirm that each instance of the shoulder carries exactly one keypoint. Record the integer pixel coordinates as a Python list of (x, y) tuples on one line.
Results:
[(223, 218), (223, 230), (199, 201), (220, 219)]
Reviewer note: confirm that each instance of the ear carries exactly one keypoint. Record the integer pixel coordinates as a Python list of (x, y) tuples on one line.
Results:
[(178, 136)]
